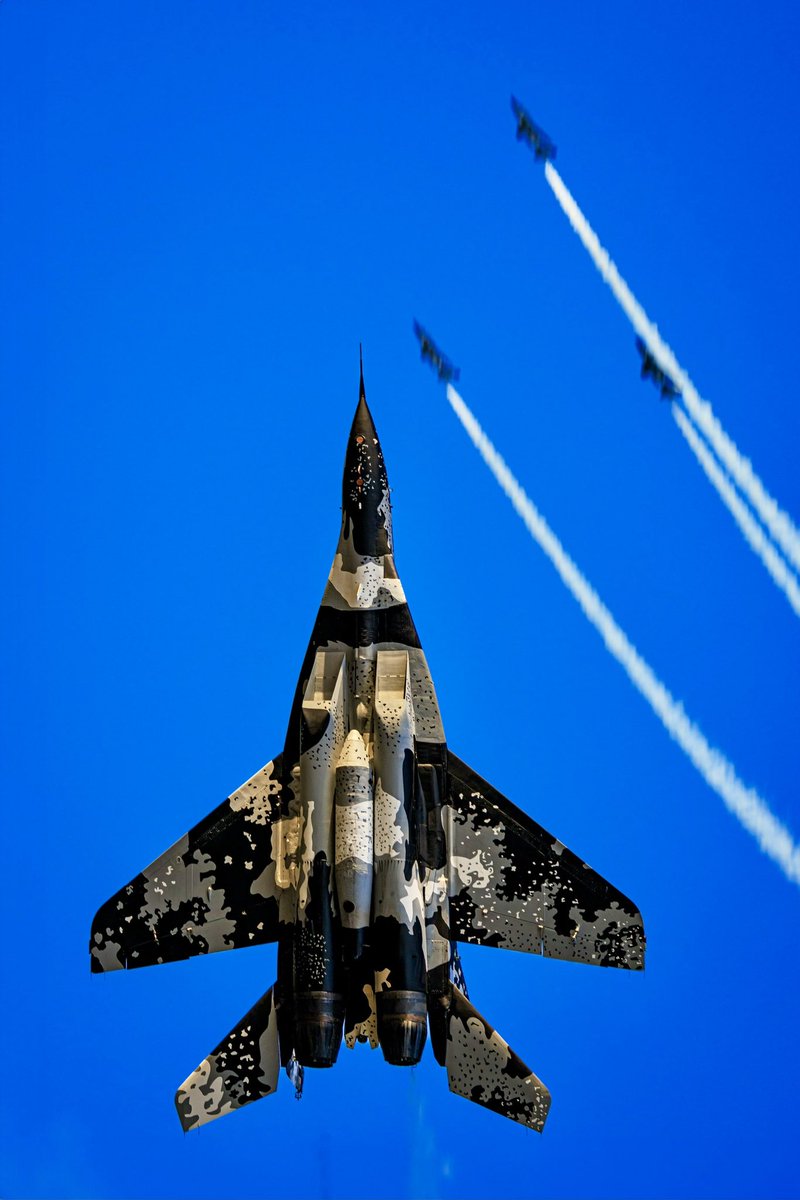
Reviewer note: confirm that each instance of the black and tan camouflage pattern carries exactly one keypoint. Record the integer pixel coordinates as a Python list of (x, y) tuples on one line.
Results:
[(482, 1067), (244, 1067), (213, 890), (368, 851), (513, 885)]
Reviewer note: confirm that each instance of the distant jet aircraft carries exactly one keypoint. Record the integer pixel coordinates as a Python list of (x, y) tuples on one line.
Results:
[(367, 850), (533, 134), (669, 390), (430, 351)]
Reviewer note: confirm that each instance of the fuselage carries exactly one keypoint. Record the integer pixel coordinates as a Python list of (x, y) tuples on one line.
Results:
[(362, 839)]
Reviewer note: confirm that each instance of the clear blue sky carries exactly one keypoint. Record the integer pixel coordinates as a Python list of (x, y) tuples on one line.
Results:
[(205, 207)]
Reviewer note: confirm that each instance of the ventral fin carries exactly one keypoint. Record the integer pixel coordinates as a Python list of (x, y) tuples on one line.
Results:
[(361, 1018)]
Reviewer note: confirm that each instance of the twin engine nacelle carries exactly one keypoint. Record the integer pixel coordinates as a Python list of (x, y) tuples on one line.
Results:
[(362, 923)]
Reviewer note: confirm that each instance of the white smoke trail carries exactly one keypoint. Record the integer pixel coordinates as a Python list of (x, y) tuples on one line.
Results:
[(782, 575), (745, 803), (777, 522)]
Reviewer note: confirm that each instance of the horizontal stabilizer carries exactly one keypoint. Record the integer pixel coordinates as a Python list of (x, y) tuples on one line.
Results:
[(513, 885), (482, 1067), (215, 889), (242, 1069)]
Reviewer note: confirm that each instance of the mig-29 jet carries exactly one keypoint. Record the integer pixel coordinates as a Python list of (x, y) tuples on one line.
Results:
[(529, 131), (651, 369), (440, 362), (367, 850)]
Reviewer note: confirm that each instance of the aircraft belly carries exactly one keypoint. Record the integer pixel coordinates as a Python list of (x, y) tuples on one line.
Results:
[(321, 740), (318, 998), (437, 918), (398, 893), (427, 718), (361, 582), (354, 841)]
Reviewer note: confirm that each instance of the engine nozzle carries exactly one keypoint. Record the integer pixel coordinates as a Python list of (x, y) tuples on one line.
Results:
[(402, 1026), (318, 1020)]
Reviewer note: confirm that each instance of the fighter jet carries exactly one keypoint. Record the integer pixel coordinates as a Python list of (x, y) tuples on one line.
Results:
[(527, 129), (368, 850), (669, 390), (440, 362)]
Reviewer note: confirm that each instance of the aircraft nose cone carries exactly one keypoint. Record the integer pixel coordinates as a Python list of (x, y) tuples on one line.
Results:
[(366, 508)]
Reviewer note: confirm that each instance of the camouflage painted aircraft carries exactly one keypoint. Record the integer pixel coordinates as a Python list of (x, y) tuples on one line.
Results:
[(529, 131), (669, 390), (367, 850), (430, 351)]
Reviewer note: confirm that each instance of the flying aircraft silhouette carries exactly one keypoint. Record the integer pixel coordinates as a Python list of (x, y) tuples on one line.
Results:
[(533, 134), (651, 369), (430, 351), (367, 850)]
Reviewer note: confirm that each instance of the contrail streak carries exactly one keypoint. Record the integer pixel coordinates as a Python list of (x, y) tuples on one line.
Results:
[(744, 802), (777, 522), (752, 531)]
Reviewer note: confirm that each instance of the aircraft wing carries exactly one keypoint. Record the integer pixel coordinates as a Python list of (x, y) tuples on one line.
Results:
[(215, 889), (513, 885)]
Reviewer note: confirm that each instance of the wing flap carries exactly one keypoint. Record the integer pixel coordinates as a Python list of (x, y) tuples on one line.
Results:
[(215, 889), (514, 885)]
